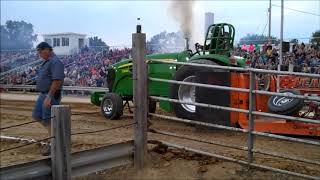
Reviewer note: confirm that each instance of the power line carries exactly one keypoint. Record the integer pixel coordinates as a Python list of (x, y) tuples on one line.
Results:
[(17, 125), (310, 13), (265, 25), (264, 29)]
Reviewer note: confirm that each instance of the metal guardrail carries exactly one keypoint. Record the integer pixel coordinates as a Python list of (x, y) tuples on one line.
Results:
[(82, 163), (69, 88), (250, 111)]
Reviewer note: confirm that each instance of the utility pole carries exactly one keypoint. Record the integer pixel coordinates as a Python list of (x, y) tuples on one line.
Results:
[(281, 41), (269, 32)]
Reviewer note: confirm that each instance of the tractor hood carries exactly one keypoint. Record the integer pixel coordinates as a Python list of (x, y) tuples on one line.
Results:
[(241, 61), (165, 56), (221, 59)]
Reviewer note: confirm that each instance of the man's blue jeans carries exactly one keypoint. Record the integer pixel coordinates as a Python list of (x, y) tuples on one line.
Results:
[(42, 113)]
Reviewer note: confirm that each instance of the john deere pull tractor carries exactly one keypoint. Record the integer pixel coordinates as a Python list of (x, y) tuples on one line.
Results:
[(215, 50)]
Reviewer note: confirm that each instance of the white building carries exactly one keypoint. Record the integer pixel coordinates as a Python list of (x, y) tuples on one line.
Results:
[(66, 43), (208, 20)]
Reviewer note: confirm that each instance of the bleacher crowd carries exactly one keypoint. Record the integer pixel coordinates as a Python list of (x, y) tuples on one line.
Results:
[(303, 58), (12, 59), (88, 68)]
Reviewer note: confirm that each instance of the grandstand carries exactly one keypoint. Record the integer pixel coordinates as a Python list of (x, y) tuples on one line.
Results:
[(86, 68)]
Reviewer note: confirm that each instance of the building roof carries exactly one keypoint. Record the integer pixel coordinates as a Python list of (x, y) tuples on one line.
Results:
[(66, 33)]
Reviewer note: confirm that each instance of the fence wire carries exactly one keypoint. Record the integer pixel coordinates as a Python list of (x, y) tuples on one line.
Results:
[(237, 147), (287, 138), (30, 122), (101, 130), (236, 160), (35, 142), (85, 113), (17, 125)]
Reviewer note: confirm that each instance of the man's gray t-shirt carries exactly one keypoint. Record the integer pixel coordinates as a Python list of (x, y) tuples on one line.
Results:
[(52, 69)]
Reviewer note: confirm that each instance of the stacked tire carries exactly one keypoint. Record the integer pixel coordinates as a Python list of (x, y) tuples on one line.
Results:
[(285, 105)]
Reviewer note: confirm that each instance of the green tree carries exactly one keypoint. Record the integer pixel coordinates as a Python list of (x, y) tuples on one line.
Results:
[(98, 44), (316, 39), (166, 42), (17, 35), (257, 39)]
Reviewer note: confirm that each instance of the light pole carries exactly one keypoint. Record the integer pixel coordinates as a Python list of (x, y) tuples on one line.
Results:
[(281, 41), (269, 32)]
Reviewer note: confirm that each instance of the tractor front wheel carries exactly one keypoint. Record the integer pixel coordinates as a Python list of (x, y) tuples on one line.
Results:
[(112, 106)]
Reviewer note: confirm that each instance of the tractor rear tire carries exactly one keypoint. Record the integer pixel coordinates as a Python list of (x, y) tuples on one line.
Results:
[(285, 105), (112, 106), (187, 74)]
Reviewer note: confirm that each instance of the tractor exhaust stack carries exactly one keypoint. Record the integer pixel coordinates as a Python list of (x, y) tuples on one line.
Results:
[(186, 43)]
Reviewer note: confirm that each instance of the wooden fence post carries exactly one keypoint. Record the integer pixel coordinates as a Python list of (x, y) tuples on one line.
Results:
[(60, 144), (140, 96)]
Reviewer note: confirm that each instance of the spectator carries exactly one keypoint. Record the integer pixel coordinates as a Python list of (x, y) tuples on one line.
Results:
[(251, 48)]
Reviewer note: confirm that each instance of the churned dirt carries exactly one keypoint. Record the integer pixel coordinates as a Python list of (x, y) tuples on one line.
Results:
[(163, 163)]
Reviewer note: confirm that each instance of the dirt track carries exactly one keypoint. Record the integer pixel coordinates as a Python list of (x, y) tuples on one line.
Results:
[(162, 167)]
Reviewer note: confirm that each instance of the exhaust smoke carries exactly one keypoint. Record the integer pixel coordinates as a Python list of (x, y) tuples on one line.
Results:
[(182, 12)]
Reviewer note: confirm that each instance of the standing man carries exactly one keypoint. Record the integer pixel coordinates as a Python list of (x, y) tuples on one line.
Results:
[(49, 84)]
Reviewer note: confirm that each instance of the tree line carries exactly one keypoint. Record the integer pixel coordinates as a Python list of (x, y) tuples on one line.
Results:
[(262, 39)]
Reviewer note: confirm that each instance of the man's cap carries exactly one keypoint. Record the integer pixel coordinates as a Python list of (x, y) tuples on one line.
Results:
[(43, 45)]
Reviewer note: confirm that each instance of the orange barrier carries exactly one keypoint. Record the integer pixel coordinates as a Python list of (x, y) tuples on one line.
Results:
[(272, 125)]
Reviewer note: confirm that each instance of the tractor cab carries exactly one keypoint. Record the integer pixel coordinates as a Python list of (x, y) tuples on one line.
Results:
[(219, 39)]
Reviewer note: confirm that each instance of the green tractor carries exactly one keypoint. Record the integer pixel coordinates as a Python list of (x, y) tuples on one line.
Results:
[(216, 50)]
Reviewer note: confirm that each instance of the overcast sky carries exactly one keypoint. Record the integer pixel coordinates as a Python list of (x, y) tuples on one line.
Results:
[(114, 21)]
